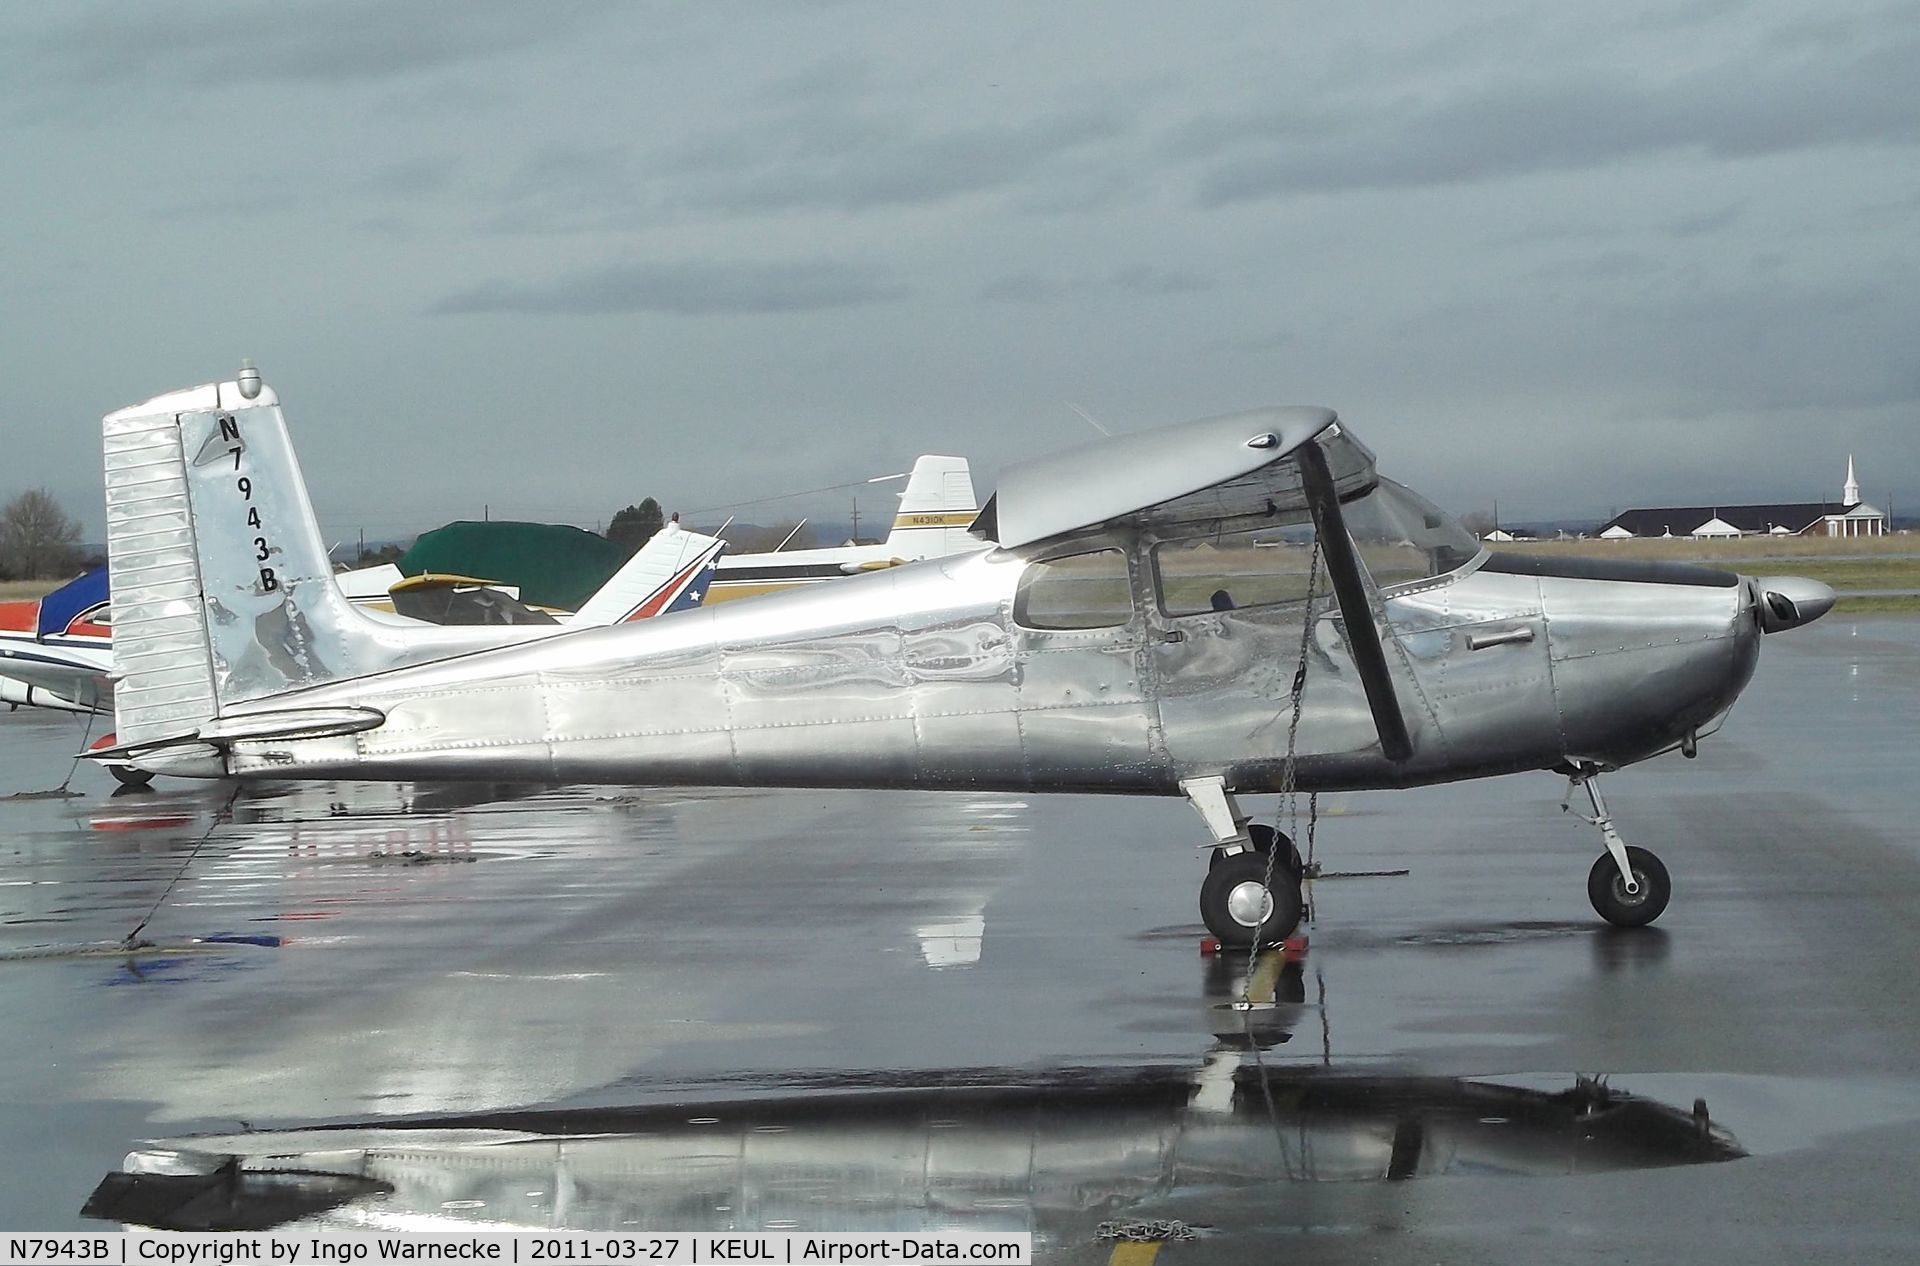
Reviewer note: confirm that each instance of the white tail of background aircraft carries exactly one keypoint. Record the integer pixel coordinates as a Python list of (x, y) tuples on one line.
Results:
[(669, 573), (222, 588), (936, 508)]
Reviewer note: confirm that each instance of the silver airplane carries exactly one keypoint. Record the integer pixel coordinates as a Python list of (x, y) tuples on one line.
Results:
[(1214, 610)]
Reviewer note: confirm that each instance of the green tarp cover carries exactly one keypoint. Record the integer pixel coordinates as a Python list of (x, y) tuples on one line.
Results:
[(553, 565)]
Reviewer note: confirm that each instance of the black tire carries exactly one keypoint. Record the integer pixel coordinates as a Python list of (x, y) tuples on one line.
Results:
[(1609, 895), (1228, 905), (127, 776)]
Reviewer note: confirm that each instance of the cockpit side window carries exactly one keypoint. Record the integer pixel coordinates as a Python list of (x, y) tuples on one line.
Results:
[(1075, 591), (1232, 571)]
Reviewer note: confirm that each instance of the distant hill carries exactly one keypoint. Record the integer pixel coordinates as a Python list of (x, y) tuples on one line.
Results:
[(759, 538)]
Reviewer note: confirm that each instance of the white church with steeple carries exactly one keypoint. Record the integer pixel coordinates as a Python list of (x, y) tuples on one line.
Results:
[(1850, 516), (1855, 517)]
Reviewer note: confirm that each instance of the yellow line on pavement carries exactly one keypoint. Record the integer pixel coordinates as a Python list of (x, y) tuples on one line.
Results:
[(1266, 974)]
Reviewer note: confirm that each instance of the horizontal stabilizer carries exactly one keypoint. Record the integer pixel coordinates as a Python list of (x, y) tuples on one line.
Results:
[(289, 723), (282, 723)]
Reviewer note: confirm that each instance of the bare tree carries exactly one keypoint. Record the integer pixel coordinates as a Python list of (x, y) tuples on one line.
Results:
[(38, 540), (634, 526)]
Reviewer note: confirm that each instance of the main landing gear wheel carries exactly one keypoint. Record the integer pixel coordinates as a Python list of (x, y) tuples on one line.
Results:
[(1239, 909), (1609, 894), (127, 776)]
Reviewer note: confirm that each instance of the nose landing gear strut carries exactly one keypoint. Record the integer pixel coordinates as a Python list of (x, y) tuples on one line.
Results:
[(1628, 885)]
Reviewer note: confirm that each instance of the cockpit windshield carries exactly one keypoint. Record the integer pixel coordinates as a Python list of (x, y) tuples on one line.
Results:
[(1403, 537)]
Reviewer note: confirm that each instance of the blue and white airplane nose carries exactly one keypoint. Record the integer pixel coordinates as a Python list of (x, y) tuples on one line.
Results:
[(1787, 602)]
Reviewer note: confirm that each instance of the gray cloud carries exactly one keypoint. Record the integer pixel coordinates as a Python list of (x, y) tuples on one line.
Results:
[(1026, 288), (1705, 223), (1856, 92), (827, 83), (859, 161), (834, 153), (970, 218), (684, 289), (569, 187), (1144, 280), (1147, 279), (347, 40), (1763, 345)]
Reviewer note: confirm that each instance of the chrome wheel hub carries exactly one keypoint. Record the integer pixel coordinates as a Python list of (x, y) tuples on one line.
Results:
[(1249, 903)]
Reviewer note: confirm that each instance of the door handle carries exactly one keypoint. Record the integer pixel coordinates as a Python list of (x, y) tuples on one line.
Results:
[(1481, 641)]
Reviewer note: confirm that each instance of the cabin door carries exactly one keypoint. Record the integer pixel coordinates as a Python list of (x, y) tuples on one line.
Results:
[(1083, 704)]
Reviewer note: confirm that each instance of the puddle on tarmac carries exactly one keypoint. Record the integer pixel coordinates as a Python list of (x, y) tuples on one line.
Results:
[(1054, 1151)]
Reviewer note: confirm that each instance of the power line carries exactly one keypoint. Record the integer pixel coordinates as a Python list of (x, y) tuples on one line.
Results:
[(788, 496)]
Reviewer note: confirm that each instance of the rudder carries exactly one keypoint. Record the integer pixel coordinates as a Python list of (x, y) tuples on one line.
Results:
[(222, 589), (936, 508), (670, 572)]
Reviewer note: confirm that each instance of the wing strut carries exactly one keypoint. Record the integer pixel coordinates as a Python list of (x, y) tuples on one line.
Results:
[(1363, 635)]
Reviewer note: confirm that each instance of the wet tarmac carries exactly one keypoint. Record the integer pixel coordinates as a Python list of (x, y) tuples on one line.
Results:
[(796, 1010)]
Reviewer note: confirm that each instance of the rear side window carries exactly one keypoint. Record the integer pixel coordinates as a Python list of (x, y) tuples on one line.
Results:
[(1075, 591)]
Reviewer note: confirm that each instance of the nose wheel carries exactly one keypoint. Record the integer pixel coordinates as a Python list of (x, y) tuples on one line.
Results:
[(1628, 885), (1623, 906)]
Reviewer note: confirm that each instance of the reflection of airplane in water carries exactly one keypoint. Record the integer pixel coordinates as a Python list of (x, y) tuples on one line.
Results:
[(973, 1150)]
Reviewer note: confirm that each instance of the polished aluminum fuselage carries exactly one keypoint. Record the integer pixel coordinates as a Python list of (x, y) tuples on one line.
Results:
[(920, 677)]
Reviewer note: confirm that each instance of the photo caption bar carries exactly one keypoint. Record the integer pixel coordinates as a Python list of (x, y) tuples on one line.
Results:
[(221, 1248)]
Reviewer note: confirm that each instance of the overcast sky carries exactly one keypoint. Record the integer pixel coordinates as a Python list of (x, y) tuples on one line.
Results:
[(556, 257)]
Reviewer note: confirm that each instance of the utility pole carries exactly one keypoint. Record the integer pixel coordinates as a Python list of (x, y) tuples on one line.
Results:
[(856, 519)]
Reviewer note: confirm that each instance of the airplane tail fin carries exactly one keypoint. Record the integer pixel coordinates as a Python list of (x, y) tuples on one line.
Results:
[(222, 589), (936, 509), (671, 572)]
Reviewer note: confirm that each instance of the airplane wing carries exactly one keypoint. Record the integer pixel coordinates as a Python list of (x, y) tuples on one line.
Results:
[(436, 599), (1265, 464), (61, 687), (369, 586), (1224, 467), (671, 572)]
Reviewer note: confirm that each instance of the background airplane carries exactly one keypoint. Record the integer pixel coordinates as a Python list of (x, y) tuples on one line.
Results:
[(936, 509), (56, 651)]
